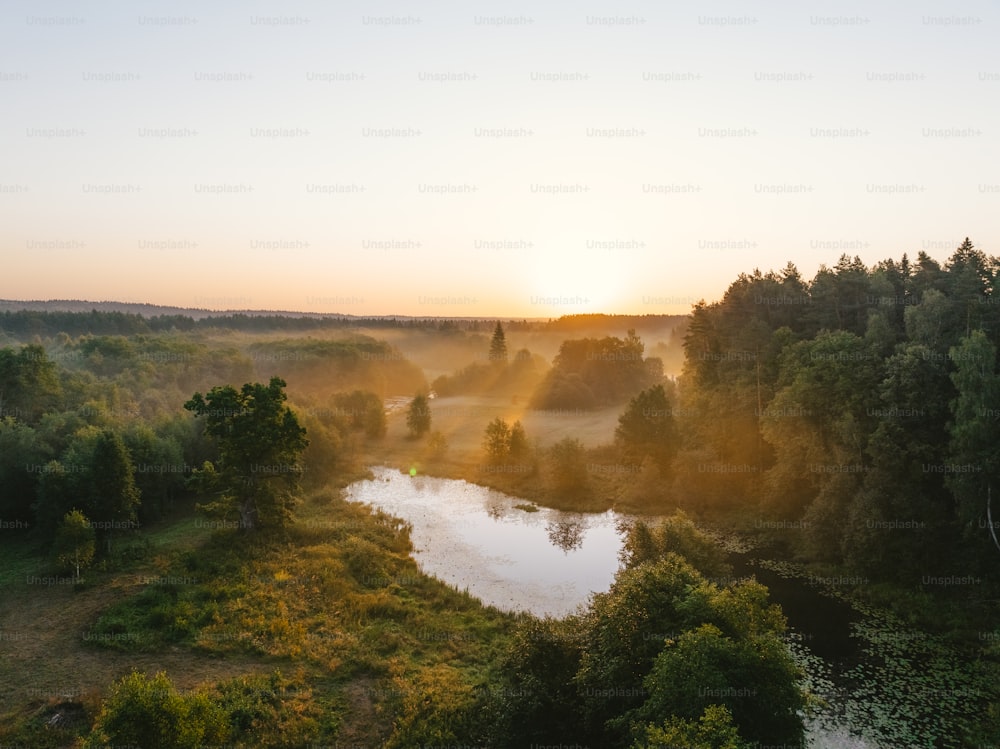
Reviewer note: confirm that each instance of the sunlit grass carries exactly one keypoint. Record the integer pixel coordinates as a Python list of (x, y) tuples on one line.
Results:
[(340, 596)]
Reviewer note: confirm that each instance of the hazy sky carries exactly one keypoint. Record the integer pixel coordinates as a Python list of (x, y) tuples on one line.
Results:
[(473, 159)]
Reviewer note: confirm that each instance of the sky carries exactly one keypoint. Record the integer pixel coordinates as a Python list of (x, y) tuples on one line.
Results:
[(477, 159)]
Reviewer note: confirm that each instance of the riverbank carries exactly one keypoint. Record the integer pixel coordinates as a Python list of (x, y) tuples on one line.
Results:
[(336, 613), (879, 683), (912, 671)]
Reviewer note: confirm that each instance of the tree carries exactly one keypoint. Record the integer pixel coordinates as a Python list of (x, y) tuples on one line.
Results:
[(754, 677), (626, 628), (113, 495), (21, 453), (94, 473), (75, 542), (974, 430), (517, 443), (363, 410), (498, 346), (29, 383), (646, 427), (418, 416), (536, 702), (567, 468), (260, 442), (496, 440), (143, 711), (156, 487), (677, 534), (590, 371)]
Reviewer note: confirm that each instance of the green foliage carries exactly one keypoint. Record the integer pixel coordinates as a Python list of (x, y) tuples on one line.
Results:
[(535, 701), (676, 534), (649, 490), (588, 372), (363, 411), (503, 442), (517, 442), (646, 427), (143, 711), (159, 469), (566, 469), (75, 542), (496, 440), (29, 385), (713, 730), (22, 455), (975, 429), (418, 416), (113, 497), (754, 678), (95, 473), (260, 441), (663, 655), (330, 449), (626, 630), (855, 416)]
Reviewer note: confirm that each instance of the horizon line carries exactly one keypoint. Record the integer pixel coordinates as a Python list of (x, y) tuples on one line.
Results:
[(21, 305)]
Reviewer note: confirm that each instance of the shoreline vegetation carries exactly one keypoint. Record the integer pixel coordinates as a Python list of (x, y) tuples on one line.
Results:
[(147, 526)]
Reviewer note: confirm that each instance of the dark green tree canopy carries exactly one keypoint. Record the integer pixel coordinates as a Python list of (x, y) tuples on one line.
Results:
[(260, 442), (646, 427)]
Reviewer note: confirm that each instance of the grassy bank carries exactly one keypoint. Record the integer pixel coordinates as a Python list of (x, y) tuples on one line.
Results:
[(330, 632)]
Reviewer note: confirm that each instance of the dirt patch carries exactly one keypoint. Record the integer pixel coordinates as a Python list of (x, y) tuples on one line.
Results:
[(44, 657), (364, 722)]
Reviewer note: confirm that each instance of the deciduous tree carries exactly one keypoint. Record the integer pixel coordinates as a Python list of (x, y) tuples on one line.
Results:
[(260, 442)]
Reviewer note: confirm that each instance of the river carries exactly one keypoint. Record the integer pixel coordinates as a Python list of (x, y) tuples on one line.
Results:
[(871, 672)]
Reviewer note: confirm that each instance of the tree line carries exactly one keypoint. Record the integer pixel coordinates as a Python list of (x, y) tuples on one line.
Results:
[(863, 405)]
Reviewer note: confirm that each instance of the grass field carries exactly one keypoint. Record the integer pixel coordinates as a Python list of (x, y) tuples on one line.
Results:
[(462, 420)]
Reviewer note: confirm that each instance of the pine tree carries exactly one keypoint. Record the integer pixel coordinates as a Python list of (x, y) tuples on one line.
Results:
[(498, 345)]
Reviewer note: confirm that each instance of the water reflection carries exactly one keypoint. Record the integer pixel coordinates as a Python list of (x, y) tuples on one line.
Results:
[(546, 561), (565, 534)]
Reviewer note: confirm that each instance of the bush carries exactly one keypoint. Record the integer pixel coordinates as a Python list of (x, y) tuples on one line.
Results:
[(677, 534), (150, 713), (713, 730)]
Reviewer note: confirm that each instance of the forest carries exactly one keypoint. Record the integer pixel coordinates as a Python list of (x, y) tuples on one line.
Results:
[(171, 508)]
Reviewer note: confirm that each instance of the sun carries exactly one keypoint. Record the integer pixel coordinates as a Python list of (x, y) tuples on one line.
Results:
[(571, 281)]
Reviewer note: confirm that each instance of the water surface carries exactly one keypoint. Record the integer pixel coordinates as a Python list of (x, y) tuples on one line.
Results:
[(546, 562)]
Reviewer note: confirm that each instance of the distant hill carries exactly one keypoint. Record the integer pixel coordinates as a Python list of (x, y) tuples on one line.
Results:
[(567, 323), (147, 310)]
